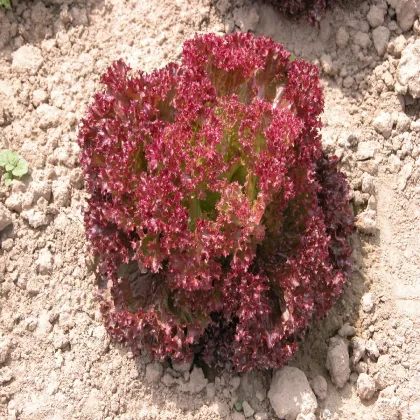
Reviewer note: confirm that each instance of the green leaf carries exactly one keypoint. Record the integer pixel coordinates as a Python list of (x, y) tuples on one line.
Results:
[(6, 4), (238, 406), (292, 58), (12, 157), (3, 157), (21, 168), (9, 167), (7, 179)]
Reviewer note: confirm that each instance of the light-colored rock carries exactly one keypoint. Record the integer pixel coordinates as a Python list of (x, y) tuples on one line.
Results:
[(5, 346), (380, 36), (39, 96), (407, 12), (358, 346), (408, 72), (261, 415), (367, 302), (366, 221), (154, 371), (338, 361), (290, 393), (5, 217), (237, 416), (44, 263), (60, 340), (347, 330), (61, 191), (27, 59), (49, 116), (376, 16), (197, 382), (348, 82), (6, 375), (396, 46), (246, 18), (404, 175), (403, 123), (372, 349), (383, 124), (210, 391), (36, 218), (327, 65), (394, 163), (368, 183), (248, 410), (362, 39), (342, 38), (367, 149), (319, 386), (365, 387)]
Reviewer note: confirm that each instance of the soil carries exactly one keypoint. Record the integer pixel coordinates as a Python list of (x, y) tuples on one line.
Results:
[(56, 361)]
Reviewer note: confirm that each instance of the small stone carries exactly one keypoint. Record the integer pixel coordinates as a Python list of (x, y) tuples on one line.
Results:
[(394, 164), (366, 222), (368, 184), (404, 175), (41, 189), (408, 72), (235, 382), (327, 65), (362, 39), (348, 82), (154, 371), (338, 361), (361, 367), (6, 375), (36, 218), (403, 123), (5, 217), (396, 46), (342, 38), (197, 381), (44, 263), (60, 340), (210, 391), (27, 59), (61, 192), (376, 16), (39, 96), (380, 38), (237, 416), (168, 380), (49, 116), (319, 386), (365, 387), (261, 415), (367, 302), (358, 345), (246, 18), (347, 330), (383, 124), (370, 166), (367, 149), (5, 346), (372, 349), (248, 410), (353, 377), (407, 12), (290, 393)]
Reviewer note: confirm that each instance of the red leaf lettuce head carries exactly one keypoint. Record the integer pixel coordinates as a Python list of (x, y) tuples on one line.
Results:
[(219, 225)]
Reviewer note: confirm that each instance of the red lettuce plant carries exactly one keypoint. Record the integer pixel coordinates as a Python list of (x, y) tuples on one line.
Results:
[(221, 228)]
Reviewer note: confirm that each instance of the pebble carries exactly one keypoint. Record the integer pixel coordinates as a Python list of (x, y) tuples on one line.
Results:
[(342, 38), (338, 361), (44, 263), (366, 222), (290, 393), (6, 375), (368, 183), (182, 366), (394, 164), (367, 302), (383, 124), (367, 149), (376, 16), (408, 72), (5, 346), (61, 191), (407, 12), (5, 217), (362, 39), (404, 175), (237, 416), (380, 36), (372, 349), (248, 410), (346, 330), (319, 386), (197, 382), (246, 18), (358, 345), (154, 371), (27, 59), (365, 387)]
